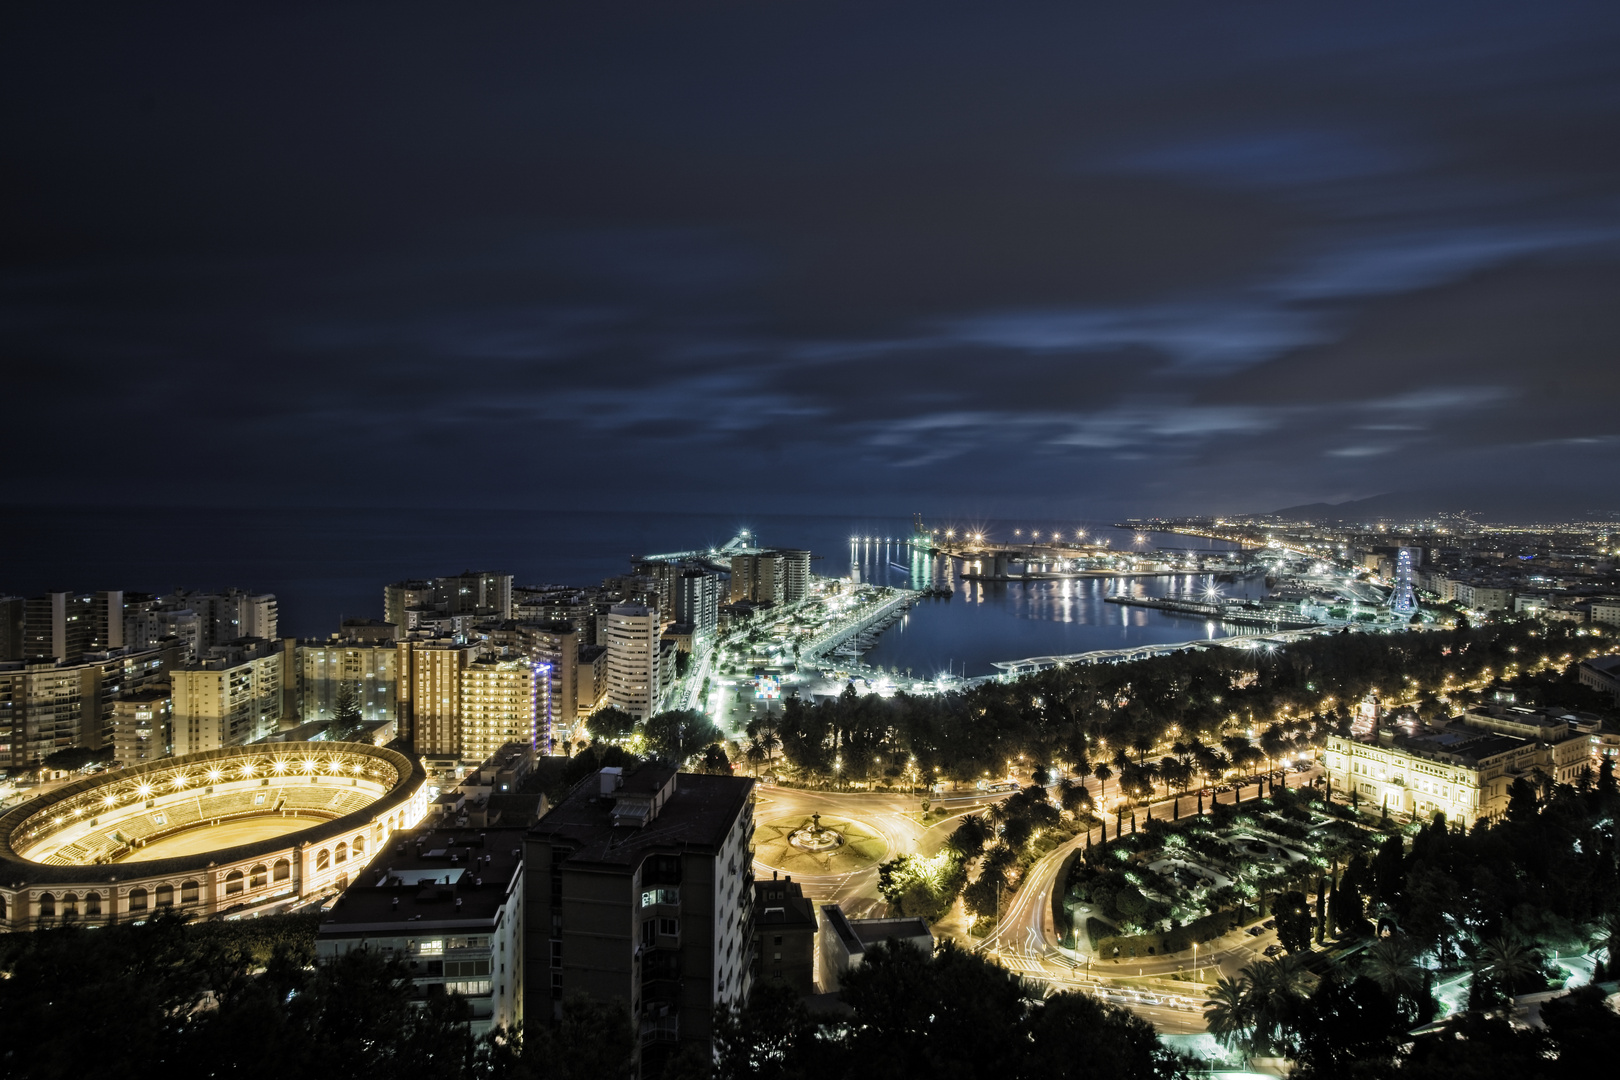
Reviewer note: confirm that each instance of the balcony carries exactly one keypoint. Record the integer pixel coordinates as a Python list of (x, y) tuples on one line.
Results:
[(660, 1029)]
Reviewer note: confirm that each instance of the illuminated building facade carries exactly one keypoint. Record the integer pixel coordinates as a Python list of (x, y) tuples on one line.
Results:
[(451, 910), (633, 649), (503, 701)]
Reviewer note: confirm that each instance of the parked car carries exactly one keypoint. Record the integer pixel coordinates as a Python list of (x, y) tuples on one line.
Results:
[(1254, 931), (1272, 949), (1270, 924)]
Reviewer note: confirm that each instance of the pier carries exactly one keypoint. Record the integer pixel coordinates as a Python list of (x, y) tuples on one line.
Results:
[(1232, 611), (868, 618)]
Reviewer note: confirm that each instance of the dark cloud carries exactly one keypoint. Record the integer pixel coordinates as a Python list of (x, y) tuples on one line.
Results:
[(673, 255)]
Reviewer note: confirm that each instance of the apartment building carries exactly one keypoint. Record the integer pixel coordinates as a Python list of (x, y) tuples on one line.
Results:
[(1606, 609), (432, 693), (48, 705), (697, 601), (590, 679), (759, 576), (232, 697), (502, 701), (556, 645), (479, 593), (369, 669), (639, 890), (633, 675), (784, 935), (449, 905), (141, 726)]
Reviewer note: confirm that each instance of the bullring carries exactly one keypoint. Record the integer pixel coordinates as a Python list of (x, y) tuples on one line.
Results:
[(238, 826)]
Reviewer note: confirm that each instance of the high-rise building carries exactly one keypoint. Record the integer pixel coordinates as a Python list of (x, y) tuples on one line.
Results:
[(759, 576), (556, 645), (142, 726), (502, 701), (370, 669), (795, 574), (401, 596), (590, 678), (11, 627), (1402, 598), (434, 693), (638, 889), (475, 592), (150, 622), (471, 592), (697, 600), (48, 705), (58, 626), (229, 698), (632, 659)]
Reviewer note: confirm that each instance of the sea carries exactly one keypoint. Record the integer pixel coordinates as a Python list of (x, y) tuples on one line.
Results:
[(326, 564)]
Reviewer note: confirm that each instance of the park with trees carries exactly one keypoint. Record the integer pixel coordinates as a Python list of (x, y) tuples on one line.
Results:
[(1169, 722)]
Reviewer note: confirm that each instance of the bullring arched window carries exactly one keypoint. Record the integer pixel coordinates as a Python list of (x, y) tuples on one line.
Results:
[(188, 892), (92, 903), (359, 846), (283, 870), (233, 883), (341, 853), (70, 904), (257, 877), (323, 859), (2, 907), (163, 896), (137, 899), (47, 906)]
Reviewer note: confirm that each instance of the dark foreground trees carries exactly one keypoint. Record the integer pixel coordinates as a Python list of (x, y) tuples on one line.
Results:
[(170, 999)]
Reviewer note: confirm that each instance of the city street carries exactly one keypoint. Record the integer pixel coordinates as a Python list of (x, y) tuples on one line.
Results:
[(1025, 939)]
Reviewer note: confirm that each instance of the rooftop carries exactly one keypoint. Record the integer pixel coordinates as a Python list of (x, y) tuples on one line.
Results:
[(431, 876), (695, 815)]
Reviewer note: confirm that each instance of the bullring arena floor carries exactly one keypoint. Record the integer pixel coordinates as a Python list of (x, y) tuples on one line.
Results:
[(214, 837)]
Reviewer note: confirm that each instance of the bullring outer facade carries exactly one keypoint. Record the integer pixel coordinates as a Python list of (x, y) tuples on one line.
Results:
[(204, 833)]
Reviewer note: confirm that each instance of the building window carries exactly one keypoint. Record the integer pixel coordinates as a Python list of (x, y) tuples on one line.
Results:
[(233, 883), (92, 905), (188, 892), (669, 927), (47, 906), (257, 877), (163, 896), (282, 871), (137, 899)]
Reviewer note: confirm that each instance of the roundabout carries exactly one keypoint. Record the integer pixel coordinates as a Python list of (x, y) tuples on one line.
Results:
[(818, 845)]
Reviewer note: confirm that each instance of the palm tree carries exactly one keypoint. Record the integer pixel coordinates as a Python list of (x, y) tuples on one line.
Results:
[(1506, 961), (1102, 772), (1392, 963), (1272, 989), (770, 742), (1228, 1013)]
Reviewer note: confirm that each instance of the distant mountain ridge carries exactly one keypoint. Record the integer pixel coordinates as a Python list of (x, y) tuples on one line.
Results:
[(1545, 505)]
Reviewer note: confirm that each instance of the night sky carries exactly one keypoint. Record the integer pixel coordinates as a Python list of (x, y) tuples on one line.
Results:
[(1068, 259)]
